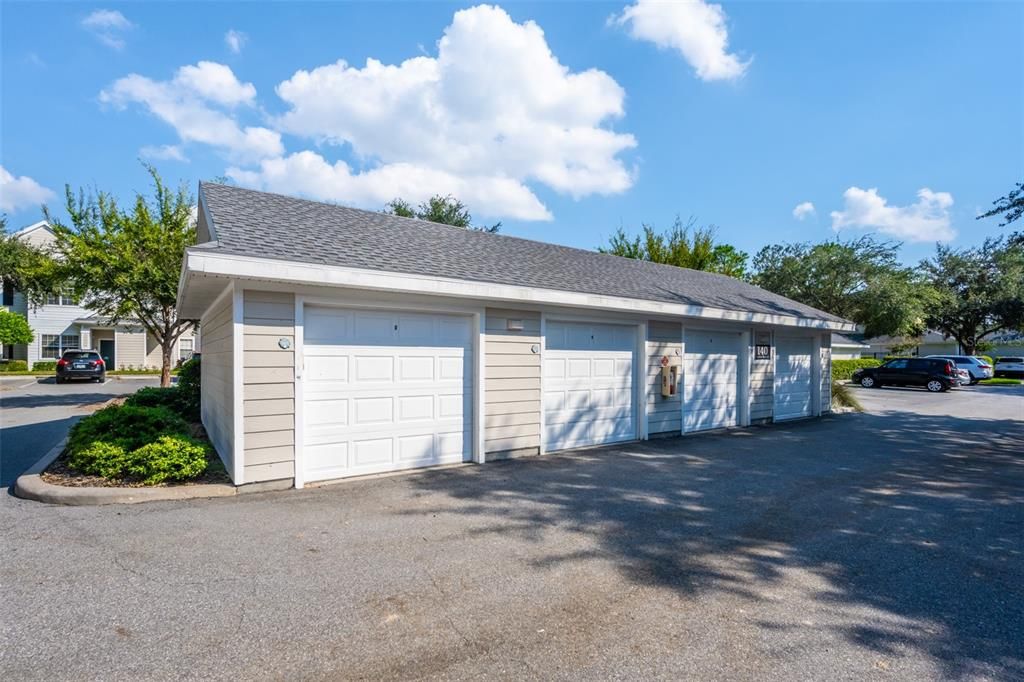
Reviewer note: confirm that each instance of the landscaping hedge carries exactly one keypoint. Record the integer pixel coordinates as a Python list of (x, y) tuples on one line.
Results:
[(44, 366), (127, 426), (14, 366), (842, 370)]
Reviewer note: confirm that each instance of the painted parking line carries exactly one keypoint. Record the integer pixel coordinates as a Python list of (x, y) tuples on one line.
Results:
[(31, 383)]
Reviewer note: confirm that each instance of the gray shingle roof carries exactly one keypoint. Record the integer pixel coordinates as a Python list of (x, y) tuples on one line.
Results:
[(264, 225)]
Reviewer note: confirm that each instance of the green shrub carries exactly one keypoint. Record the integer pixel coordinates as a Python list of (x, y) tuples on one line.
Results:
[(842, 396), (169, 458), (127, 426), (14, 366), (189, 376), (988, 359), (44, 366), (152, 396), (100, 459), (842, 370)]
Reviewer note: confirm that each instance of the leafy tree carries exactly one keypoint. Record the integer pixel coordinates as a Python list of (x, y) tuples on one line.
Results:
[(980, 291), (14, 329), (860, 280), (124, 263), (26, 268), (446, 210), (683, 245), (1010, 207)]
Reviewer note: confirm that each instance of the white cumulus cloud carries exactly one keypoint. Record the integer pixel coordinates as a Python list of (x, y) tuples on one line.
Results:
[(694, 28), (309, 174), (235, 40), (928, 220), (194, 104), (163, 152), (109, 27), (803, 210), (494, 109), (20, 192)]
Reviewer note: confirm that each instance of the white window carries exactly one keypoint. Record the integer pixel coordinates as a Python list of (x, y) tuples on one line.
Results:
[(63, 298), (50, 344), (54, 345), (185, 347)]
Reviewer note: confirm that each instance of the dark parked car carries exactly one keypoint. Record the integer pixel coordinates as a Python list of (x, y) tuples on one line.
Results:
[(81, 364), (935, 374)]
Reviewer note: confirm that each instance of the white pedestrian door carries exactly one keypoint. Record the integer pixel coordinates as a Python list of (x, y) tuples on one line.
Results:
[(384, 391), (588, 384), (793, 377), (711, 379)]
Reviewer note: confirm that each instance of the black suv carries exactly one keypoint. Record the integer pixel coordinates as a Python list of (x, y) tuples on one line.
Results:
[(81, 364), (935, 374)]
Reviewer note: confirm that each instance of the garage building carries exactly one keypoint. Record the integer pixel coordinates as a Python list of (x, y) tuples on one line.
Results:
[(339, 342)]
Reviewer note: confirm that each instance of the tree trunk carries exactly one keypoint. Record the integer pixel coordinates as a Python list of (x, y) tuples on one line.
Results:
[(166, 349)]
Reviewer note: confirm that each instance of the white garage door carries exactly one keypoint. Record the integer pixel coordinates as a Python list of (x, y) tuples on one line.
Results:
[(710, 380), (793, 377), (588, 384), (385, 391)]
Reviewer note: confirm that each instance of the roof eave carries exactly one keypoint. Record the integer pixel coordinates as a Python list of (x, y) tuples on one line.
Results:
[(208, 262)]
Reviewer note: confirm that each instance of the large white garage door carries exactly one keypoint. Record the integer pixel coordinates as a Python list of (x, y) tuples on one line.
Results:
[(385, 391), (711, 380), (793, 377), (588, 384)]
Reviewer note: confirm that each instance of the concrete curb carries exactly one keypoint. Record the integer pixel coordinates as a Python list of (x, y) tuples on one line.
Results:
[(31, 486)]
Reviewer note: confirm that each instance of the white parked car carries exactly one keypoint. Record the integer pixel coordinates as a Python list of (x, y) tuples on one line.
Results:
[(964, 376), (978, 369), (1011, 368)]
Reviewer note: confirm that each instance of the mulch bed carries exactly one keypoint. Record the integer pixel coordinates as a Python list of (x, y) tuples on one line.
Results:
[(60, 473)]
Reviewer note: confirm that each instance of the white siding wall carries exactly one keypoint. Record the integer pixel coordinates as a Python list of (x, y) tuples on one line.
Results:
[(130, 347), (269, 385), (217, 382), (512, 385), (50, 319), (826, 373), (154, 357), (664, 415), (762, 383)]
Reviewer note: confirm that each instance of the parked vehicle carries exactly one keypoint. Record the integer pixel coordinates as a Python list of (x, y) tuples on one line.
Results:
[(1011, 368), (963, 376), (979, 369), (935, 374), (81, 364)]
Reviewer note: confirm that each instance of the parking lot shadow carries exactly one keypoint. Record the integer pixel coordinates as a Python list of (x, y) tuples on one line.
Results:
[(23, 446), (914, 519)]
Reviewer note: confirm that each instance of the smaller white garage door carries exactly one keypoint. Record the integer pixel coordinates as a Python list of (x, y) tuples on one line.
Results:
[(793, 377), (588, 384), (711, 380), (385, 390)]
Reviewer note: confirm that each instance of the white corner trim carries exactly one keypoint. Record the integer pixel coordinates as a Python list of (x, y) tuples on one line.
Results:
[(640, 381), (238, 379), (299, 411), (743, 399), (543, 449), (479, 386), (268, 269)]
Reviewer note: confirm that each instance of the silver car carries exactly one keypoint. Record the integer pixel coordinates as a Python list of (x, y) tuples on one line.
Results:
[(977, 367)]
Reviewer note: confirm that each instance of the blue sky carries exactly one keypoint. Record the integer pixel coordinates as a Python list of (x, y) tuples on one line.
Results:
[(563, 120)]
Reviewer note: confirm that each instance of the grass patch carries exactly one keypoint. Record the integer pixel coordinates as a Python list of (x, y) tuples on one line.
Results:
[(999, 381), (842, 396)]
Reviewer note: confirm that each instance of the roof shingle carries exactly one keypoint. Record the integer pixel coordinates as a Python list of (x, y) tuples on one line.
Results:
[(263, 225)]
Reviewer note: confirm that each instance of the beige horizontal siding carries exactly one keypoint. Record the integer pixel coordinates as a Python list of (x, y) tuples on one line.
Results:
[(512, 384), (217, 381), (269, 385), (826, 373), (762, 383), (663, 414)]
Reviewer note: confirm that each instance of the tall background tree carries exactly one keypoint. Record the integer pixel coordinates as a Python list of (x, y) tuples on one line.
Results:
[(980, 291), (446, 210), (26, 268), (684, 245), (861, 280), (123, 263)]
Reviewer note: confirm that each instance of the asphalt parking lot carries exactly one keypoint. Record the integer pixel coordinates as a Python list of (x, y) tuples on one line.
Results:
[(35, 413), (877, 545)]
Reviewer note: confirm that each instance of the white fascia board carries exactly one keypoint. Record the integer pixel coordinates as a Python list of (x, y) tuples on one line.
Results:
[(268, 269), (34, 226)]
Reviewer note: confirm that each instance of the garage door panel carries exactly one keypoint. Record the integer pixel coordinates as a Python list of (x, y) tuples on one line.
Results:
[(384, 391), (793, 393), (588, 384), (710, 379)]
